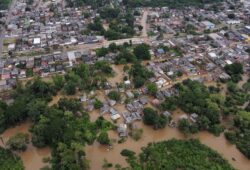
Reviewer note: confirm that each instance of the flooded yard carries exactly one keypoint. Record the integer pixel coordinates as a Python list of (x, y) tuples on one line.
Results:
[(119, 74)]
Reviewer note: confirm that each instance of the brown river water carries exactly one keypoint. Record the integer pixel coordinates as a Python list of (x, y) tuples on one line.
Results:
[(32, 157), (96, 153)]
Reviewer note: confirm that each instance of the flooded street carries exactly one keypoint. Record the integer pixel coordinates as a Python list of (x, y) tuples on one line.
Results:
[(96, 153), (32, 157)]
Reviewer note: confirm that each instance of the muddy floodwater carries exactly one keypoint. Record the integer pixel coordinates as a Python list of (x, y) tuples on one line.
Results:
[(32, 157), (96, 153)]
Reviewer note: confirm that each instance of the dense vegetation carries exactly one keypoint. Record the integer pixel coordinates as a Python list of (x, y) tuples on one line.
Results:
[(121, 24), (234, 70), (18, 142), (9, 161), (176, 154), (126, 53), (207, 102), (194, 97), (139, 74), (147, 3), (86, 77), (240, 135), (65, 127), (152, 118), (4, 4), (169, 3)]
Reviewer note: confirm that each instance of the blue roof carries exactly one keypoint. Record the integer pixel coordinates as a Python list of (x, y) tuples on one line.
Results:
[(160, 51)]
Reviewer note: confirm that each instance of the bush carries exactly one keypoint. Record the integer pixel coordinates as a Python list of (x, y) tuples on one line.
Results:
[(151, 117), (127, 153), (18, 142), (152, 89), (98, 104), (114, 95), (136, 134), (142, 52), (9, 161), (103, 138)]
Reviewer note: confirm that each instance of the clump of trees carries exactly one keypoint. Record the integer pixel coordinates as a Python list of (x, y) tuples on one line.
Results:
[(152, 89), (18, 142), (194, 97), (121, 23), (114, 95), (186, 127), (103, 138), (4, 4), (69, 157), (171, 4), (177, 154), (98, 104), (8, 160), (142, 52), (64, 127), (136, 134), (240, 134), (127, 153), (234, 70), (235, 95), (87, 77), (152, 118), (126, 53), (139, 74), (29, 101)]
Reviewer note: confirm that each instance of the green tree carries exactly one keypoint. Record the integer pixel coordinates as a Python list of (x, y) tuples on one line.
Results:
[(98, 104), (10, 161), (184, 126), (18, 142), (170, 103), (173, 154), (127, 153), (142, 52), (152, 89), (150, 116), (113, 47), (69, 157), (36, 108), (114, 95), (58, 81), (72, 105), (70, 88), (234, 70), (102, 52), (103, 138)]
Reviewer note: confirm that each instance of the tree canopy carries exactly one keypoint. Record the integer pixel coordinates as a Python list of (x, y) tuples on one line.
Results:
[(152, 118), (10, 161), (18, 142), (177, 154)]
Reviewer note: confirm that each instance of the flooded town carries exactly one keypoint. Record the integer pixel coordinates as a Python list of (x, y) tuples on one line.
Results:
[(120, 84)]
